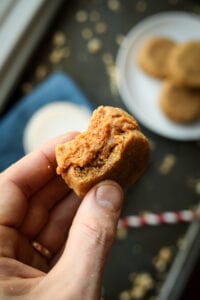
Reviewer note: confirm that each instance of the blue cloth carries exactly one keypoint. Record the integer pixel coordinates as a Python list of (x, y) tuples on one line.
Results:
[(58, 86)]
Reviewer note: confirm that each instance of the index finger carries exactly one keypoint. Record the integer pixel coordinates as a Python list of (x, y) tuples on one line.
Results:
[(24, 178), (37, 168)]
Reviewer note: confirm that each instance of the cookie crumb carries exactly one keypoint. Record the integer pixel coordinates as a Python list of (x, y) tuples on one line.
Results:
[(167, 164)]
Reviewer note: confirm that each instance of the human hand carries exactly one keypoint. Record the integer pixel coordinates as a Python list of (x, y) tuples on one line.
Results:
[(36, 205)]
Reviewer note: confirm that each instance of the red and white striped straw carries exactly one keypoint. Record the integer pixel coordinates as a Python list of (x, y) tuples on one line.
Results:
[(151, 219)]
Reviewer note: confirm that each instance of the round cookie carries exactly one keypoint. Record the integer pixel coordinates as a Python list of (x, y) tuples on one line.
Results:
[(113, 148), (180, 104), (153, 56), (184, 64)]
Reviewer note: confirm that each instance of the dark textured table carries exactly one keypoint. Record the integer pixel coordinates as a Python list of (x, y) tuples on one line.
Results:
[(159, 189)]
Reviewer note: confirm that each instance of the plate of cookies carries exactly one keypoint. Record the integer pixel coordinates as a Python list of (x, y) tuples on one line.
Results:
[(158, 65)]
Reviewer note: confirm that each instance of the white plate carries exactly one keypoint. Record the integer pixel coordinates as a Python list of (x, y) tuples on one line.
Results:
[(139, 91), (53, 120)]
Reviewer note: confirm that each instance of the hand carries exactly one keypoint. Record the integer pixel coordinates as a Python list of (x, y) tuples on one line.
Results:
[(36, 205)]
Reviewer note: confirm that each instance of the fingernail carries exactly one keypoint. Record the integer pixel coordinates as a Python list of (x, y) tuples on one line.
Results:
[(109, 195)]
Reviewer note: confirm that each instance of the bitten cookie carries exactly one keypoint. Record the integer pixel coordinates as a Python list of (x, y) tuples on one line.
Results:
[(153, 56), (180, 104), (184, 64), (113, 148)]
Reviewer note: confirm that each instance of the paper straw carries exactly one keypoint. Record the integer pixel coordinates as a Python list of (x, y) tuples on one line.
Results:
[(151, 219)]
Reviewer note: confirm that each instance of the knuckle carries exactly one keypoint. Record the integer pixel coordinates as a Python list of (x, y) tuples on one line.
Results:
[(100, 234)]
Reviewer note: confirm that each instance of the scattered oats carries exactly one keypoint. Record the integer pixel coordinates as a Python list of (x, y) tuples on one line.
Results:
[(195, 184), (94, 46), (114, 77), (162, 260), (152, 144), (101, 27), (26, 87), (81, 16), (144, 280), (138, 292), (49, 167), (165, 254), (167, 164), (113, 5), (94, 16), (125, 295), (108, 59), (160, 265), (40, 72), (119, 39), (58, 54), (141, 6), (182, 243), (59, 39), (87, 33), (112, 72), (122, 233)]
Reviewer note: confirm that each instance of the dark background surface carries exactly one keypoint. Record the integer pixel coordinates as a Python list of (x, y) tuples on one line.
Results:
[(156, 191)]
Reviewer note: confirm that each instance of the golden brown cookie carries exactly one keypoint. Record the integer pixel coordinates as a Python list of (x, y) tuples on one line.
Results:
[(180, 104), (154, 54), (113, 148), (184, 64)]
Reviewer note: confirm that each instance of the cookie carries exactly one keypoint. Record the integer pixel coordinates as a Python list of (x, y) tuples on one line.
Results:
[(180, 104), (184, 64), (113, 148), (153, 56)]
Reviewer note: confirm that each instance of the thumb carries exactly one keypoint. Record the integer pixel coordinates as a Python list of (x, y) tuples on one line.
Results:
[(90, 239)]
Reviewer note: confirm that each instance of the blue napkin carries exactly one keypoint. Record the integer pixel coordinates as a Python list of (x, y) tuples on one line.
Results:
[(58, 86)]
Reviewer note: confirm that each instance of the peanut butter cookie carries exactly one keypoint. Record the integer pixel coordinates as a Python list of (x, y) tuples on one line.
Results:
[(153, 56), (180, 104), (184, 64), (113, 148)]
